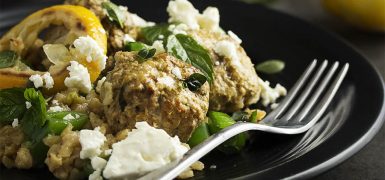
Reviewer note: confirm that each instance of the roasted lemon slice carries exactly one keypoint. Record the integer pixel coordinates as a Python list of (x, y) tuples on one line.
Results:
[(77, 22)]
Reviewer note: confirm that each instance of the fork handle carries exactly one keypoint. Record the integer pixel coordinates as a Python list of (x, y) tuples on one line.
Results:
[(173, 169)]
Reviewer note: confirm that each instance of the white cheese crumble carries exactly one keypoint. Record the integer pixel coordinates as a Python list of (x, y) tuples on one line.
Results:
[(98, 163), (234, 37), (107, 152), (79, 77), (209, 19), (91, 141), (144, 149), (37, 80), (99, 84), (68, 117), (138, 21), (87, 47), (15, 122), (158, 45), (176, 72), (182, 11), (228, 49), (178, 29), (58, 108), (270, 95), (128, 38), (28, 104), (166, 80)]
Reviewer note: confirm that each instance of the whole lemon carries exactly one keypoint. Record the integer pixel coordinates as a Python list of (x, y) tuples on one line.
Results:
[(365, 14)]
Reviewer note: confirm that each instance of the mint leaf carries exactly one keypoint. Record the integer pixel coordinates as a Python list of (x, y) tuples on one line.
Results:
[(150, 34), (7, 59), (35, 117), (114, 13), (187, 49), (134, 46), (12, 104)]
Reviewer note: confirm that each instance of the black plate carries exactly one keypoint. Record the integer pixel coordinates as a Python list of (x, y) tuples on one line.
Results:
[(354, 117)]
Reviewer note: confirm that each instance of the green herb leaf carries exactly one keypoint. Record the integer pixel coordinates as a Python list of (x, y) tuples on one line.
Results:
[(195, 81), (270, 66), (200, 134), (57, 123), (7, 59), (187, 49), (240, 116), (219, 121), (152, 33), (134, 46), (12, 104), (35, 117), (114, 13)]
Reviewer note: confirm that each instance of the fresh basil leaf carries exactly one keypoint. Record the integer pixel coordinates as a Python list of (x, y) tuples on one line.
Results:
[(195, 81), (7, 59), (270, 66), (57, 123), (114, 13), (187, 49), (152, 33), (12, 104), (133, 46)]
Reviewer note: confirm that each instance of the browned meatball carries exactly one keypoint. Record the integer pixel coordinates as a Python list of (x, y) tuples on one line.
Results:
[(152, 91), (235, 85)]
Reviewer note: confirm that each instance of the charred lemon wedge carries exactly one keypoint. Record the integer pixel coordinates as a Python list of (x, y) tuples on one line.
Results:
[(74, 22)]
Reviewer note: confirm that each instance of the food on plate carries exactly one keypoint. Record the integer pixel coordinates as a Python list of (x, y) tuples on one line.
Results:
[(89, 89)]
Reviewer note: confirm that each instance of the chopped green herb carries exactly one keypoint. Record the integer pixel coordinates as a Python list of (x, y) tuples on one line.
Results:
[(7, 59), (270, 66), (187, 49), (134, 46), (195, 81), (152, 33), (114, 13), (12, 104), (200, 134), (57, 123), (146, 53), (240, 116)]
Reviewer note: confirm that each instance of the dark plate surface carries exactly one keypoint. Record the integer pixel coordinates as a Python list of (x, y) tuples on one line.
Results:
[(353, 118)]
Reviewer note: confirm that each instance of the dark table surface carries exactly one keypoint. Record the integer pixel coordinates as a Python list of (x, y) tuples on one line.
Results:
[(369, 163)]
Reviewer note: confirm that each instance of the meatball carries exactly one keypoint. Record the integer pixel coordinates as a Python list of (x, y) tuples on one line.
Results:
[(153, 91), (235, 84)]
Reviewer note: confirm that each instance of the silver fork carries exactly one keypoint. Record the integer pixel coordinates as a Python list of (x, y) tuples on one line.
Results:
[(295, 114)]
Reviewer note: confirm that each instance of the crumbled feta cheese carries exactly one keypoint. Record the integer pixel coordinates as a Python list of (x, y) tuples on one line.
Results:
[(176, 72), (55, 102), (158, 45), (107, 152), (182, 11), (161, 36), (96, 175), (48, 80), (217, 63), (209, 19), (100, 83), (178, 29), (79, 77), (149, 149), (28, 104), (68, 117), (58, 108), (140, 22), (234, 37), (15, 122), (270, 95), (98, 163), (91, 141), (228, 49), (167, 80), (37, 80), (87, 47), (128, 38)]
